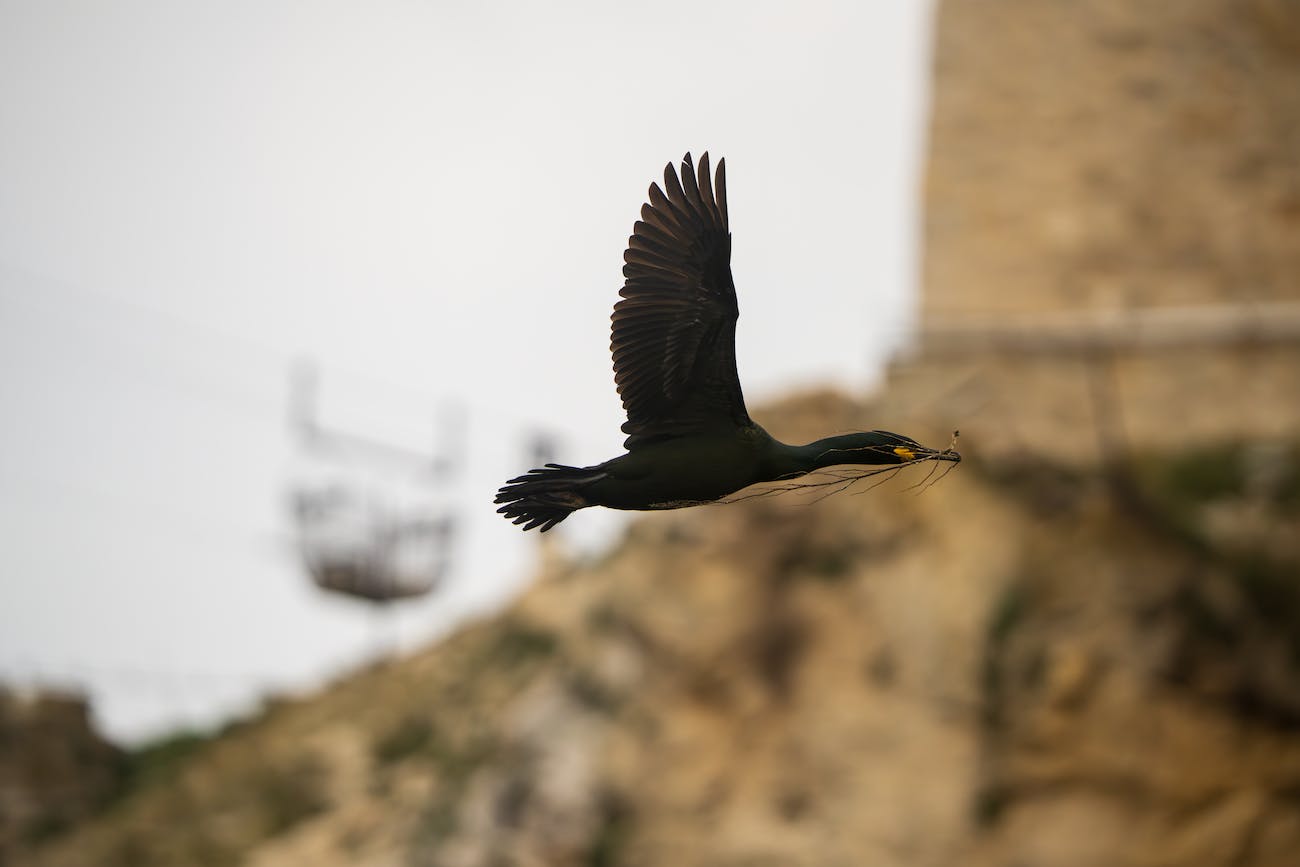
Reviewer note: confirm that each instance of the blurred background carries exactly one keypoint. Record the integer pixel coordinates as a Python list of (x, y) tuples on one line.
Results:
[(402, 224), (287, 290)]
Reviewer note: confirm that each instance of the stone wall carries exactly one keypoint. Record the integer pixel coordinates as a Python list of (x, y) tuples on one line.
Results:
[(1112, 226), (1109, 154)]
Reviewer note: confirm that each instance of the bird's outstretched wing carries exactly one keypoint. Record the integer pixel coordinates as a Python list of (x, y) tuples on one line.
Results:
[(674, 331)]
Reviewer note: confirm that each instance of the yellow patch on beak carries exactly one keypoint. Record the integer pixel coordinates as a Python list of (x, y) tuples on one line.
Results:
[(905, 453)]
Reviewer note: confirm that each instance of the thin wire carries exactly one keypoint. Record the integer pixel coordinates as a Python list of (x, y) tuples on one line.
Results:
[(105, 503), (163, 322), (159, 370)]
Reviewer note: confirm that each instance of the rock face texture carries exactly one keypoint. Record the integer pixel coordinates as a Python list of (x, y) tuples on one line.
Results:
[(1112, 226)]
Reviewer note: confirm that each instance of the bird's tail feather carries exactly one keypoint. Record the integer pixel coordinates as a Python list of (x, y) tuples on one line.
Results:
[(545, 496)]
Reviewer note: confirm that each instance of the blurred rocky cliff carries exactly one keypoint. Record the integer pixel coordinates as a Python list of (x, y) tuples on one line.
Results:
[(1080, 647), (55, 770), (1022, 664)]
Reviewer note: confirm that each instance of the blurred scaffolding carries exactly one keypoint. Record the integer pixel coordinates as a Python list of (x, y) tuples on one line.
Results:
[(373, 519)]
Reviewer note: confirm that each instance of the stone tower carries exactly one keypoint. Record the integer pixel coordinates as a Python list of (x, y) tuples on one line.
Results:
[(1112, 226)]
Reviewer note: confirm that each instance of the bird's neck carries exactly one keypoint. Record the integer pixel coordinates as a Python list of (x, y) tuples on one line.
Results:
[(854, 448)]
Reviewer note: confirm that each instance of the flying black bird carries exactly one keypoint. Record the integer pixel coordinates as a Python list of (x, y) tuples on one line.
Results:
[(690, 440)]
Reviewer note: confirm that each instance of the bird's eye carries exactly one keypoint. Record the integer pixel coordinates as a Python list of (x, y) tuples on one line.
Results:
[(905, 453)]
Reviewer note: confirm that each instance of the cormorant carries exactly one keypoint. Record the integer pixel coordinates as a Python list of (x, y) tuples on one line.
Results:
[(690, 440)]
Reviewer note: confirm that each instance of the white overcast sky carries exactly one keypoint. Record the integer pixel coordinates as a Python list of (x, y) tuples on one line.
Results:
[(431, 200)]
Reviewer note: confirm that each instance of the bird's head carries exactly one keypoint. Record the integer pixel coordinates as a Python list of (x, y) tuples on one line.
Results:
[(878, 448), (894, 448)]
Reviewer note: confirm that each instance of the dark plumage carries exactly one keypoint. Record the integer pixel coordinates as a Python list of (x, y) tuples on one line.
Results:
[(690, 440)]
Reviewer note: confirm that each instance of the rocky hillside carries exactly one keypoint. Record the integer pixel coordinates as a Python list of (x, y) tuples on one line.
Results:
[(1079, 648), (1018, 665), (55, 769)]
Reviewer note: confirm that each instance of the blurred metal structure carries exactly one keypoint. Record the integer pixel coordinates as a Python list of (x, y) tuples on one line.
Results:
[(372, 518), (353, 548), (542, 448)]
